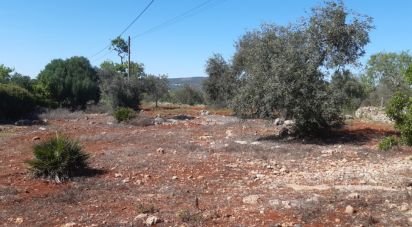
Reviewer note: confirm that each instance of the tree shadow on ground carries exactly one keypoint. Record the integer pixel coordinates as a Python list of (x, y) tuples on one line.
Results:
[(90, 172), (359, 137)]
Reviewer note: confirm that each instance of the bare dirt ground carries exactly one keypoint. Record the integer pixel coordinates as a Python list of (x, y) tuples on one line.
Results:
[(213, 170)]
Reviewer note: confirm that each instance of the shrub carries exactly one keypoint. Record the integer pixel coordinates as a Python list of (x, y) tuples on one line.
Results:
[(400, 110), (15, 101), (124, 114), (121, 92), (188, 95), (58, 158), (388, 142)]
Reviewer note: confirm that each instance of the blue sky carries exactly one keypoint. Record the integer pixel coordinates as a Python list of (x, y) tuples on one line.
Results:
[(35, 32)]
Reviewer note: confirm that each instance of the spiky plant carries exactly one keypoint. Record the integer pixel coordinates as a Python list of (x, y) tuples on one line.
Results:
[(58, 158)]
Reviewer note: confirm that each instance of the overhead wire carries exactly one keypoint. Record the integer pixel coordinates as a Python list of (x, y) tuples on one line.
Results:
[(127, 28), (191, 12)]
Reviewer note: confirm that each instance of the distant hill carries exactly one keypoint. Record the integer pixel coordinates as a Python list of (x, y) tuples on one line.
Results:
[(195, 82)]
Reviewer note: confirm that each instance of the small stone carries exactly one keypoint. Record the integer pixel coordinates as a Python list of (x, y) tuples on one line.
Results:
[(126, 180), (349, 210), (117, 175), (404, 207), (19, 220), (152, 220), (410, 220), (141, 217), (337, 220), (200, 177), (241, 142), (284, 170), (35, 138), (251, 199), (160, 150), (70, 224), (42, 128), (175, 178)]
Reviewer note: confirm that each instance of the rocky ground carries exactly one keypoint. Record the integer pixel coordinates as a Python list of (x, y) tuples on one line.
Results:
[(212, 170)]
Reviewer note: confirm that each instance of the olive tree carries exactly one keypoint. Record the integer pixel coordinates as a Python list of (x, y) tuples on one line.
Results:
[(220, 86), (155, 87), (282, 70)]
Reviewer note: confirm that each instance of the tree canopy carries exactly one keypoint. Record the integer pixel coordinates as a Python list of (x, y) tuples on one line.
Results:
[(71, 82)]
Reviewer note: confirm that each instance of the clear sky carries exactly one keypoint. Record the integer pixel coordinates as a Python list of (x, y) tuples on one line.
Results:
[(35, 32)]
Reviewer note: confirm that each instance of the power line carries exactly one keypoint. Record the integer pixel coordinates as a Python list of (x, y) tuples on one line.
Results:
[(176, 19), (137, 18), (127, 28)]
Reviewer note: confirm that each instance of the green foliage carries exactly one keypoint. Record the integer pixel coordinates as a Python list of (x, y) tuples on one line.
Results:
[(15, 101), (220, 87), (155, 87), (121, 92), (386, 74), (349, 89), (388, 68), (5, 73), (71, 83), (109, 68), (387, 143), (58, 158), (23, 81), (281, 70), (187, 95), (124, 114), (400, 110), (121, 47)]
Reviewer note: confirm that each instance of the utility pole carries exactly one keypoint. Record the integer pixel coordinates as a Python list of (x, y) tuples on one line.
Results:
[(129, 71)]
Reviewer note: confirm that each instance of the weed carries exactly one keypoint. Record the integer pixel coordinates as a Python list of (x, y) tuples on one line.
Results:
[(124, 114), (388, 142), (187, 216)]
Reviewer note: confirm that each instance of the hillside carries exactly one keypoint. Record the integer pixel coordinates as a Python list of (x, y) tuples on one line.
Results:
[(195, 82)]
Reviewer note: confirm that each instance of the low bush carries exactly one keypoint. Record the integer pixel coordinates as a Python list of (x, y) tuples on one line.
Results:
[(388, 142), (15, 102), (187, 95), (58, 158), (124, 114)]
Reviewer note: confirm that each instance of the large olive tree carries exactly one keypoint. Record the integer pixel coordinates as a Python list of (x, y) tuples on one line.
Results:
[(282, 70)]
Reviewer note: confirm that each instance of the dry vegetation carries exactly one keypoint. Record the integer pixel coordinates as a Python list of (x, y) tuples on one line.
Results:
[(213, 170)]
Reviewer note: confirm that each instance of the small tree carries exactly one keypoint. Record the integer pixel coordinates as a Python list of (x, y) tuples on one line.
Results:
[(187, 95), (121, 47), (220, 87), (71, 83), (156, 87), (348, 89)]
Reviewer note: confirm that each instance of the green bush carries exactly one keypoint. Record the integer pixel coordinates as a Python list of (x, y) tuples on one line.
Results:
[(71, 83), (187, 95), (388, 142), (400, 110), (15, 101), (124, 114), (58, 158), (121, 92)]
